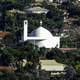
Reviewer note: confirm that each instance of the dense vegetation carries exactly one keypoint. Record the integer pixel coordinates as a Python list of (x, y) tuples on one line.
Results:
[(14, 58), (12, 52)]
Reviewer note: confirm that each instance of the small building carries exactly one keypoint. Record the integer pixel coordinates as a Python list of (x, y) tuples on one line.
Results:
[(3, 35), (52, 66), (67, 49), (7, 68), (36, 10)]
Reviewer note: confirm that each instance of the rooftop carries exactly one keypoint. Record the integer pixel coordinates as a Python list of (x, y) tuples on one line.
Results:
[(3, 34)]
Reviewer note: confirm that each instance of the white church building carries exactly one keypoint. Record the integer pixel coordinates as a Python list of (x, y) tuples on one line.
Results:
[(41, 37)]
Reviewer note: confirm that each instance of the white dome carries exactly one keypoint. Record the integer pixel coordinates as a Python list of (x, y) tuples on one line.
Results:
[(48, 42), (41, 32), (41, 37)]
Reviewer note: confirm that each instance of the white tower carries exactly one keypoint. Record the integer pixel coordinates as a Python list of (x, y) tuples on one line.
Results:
[(25, 33)]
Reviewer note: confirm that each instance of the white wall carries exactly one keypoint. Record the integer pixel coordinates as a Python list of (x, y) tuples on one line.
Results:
[(25, 33), (48, 43), (52, 67)]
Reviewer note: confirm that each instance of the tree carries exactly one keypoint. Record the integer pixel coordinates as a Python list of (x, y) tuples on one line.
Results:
[(55, 54), (74, 36), (66, 42)]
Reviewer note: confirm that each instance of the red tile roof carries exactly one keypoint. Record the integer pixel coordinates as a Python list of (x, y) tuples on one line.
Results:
[(67, 49), (6, 68), (3, 34)]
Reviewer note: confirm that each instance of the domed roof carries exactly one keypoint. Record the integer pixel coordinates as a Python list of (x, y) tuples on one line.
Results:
[(41, 32), (46, 39), (37, 10)]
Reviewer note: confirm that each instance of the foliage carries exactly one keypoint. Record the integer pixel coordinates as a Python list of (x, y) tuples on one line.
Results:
[(74, 36), (14, 1), (55, 54), (66, 42), (78, 68)]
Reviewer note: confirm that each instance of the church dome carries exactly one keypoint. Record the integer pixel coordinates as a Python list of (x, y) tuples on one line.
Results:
[(47, 39), (41, 32)]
